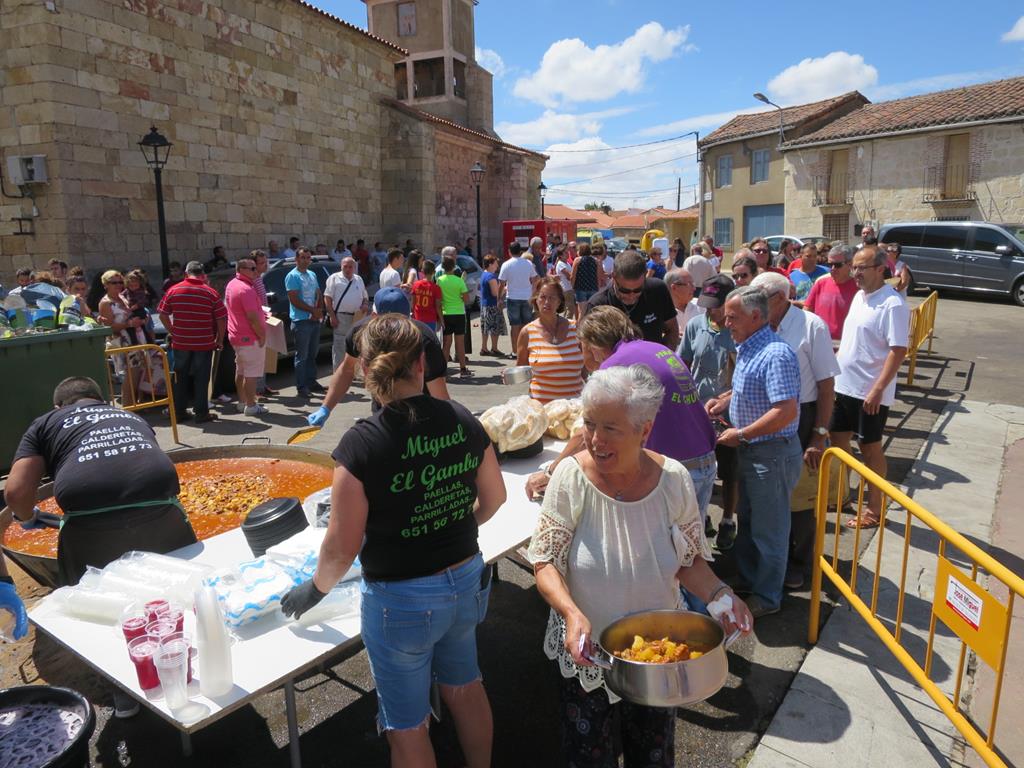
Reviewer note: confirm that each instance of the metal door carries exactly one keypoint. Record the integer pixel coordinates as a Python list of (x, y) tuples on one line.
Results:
[(941, 256), (985, 268)]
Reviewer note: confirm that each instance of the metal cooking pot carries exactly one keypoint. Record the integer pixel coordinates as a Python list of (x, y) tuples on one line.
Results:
[(44, 569), (517, 374), (665, 685)]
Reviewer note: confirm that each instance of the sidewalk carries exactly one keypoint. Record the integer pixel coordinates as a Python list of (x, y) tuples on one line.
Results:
[(852, 703)]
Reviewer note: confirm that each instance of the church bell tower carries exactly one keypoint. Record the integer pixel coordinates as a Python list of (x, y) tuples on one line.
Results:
[(440, 74)]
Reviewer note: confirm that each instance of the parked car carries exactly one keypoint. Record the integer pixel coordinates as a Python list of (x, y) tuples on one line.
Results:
[(471, 273), (969, 255), (774, 241)]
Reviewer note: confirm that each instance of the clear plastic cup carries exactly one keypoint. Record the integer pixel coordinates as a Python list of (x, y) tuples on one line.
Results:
[(161, 628), (141, 651), (171, 661), (156, 608), (133, 626), (187, 639), (176, 614)]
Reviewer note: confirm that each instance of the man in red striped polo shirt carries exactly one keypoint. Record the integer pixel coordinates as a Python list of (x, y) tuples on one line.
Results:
[(195, 316)]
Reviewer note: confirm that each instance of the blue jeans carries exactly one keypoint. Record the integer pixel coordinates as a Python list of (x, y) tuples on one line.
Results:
[(307, 344), (768, 472), (703, 478), (421, 630)]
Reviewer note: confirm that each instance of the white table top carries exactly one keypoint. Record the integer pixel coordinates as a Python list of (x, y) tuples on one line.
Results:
[(269, 652)]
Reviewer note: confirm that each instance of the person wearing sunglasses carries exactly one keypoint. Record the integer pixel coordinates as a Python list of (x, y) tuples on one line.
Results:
[(744, 267), (646, 300), (898, 268), (830, 299), (247, 334), (763, 254), (872, 349)]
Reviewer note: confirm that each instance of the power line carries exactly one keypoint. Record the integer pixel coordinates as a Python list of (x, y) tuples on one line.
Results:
[(612, 149), (637, 193), (628, 170), (618, 158)]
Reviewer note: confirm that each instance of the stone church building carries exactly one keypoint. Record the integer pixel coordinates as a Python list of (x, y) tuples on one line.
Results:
[(284, 119)]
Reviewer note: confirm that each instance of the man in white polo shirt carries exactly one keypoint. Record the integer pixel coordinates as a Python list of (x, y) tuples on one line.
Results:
[(872, 349), (518, 276), (344, 295)]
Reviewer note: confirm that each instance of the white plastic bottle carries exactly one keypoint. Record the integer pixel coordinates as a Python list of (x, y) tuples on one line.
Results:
[(216, 676)]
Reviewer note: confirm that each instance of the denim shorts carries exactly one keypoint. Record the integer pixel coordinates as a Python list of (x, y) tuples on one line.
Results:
[(582, 296), (519, 311), (420, 631)]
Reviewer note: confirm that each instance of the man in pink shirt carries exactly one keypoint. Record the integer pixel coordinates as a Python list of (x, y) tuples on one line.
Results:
[(830, 299), (247, 333)]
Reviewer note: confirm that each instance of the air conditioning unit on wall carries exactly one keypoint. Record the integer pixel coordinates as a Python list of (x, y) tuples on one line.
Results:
[(27, 169)]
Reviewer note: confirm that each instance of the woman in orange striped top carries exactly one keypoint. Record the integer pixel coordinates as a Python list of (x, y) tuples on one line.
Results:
[(550, 347)]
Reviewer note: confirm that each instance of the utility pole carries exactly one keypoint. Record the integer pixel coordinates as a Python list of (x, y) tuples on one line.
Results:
[(679, 193)]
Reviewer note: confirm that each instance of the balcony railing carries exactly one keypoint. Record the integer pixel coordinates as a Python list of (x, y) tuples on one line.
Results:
[(833, 189), (949, 183)]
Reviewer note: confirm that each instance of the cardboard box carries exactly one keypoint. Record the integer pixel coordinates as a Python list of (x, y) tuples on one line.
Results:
[(275, 344)]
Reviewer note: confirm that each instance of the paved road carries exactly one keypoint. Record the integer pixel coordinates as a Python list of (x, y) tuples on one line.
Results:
[(336, 707)]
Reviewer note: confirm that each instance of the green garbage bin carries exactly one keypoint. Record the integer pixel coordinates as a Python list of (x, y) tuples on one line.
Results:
[(31, 366)]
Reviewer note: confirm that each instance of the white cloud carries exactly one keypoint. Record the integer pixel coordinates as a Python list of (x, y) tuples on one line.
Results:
[(554, 126), (1016, 34), (815, 79), (711, 120), (571, 71), (491, 61), (642, 177)]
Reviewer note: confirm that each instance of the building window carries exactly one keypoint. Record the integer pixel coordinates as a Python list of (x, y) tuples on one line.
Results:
[(759, 165), (723, 230), (401, 83), (836, 226), (428, 78), (723, 178), (459, 78)]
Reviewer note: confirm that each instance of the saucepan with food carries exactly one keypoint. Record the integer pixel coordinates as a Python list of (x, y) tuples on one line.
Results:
[(663, 658)]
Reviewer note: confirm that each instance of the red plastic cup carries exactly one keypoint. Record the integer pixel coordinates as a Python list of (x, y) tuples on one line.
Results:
[(161, 628), (156, 608), (134, 626), (141, 651), (171, 638)]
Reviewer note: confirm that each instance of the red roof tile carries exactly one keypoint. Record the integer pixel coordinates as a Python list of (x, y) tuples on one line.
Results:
[(744, 126), (986, 101)]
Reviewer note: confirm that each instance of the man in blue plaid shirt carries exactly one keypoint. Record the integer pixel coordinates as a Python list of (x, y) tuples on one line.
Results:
[(764, 409)]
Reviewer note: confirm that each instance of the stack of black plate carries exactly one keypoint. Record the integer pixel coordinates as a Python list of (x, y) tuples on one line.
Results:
[(272, 522)]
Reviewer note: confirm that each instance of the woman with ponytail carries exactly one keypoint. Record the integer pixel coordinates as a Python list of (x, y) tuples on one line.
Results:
[(415, 480)]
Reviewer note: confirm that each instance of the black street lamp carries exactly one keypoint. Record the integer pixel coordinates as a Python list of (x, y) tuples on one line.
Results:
[(156, 149), (542, 189), (477, 174)]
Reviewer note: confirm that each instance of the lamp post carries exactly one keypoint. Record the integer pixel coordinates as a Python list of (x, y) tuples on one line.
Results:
[(477, 174), (156, 149), (765, 100), (542, 189)]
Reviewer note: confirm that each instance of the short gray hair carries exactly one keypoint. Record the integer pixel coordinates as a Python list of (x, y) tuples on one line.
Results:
[(635, 388), (449, 250), (536, 241), (751, 299), (846, 251), (743, 252), (674, 276), (772, 283)]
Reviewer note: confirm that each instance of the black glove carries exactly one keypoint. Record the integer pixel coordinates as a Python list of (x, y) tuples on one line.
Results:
[(301, 598)]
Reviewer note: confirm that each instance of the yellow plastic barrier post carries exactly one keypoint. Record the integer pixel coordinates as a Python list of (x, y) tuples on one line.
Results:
[(962, 604), (133, 396)]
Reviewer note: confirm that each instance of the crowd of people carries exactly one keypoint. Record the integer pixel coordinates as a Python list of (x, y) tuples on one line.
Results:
[(687, 375)]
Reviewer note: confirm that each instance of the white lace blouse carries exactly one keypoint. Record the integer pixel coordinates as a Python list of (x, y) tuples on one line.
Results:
[(616, 557)]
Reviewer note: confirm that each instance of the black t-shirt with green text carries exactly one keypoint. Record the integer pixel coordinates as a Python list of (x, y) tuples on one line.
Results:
[(419, 476)]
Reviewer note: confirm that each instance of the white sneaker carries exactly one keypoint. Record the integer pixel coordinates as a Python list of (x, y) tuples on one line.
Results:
[(256, 410)]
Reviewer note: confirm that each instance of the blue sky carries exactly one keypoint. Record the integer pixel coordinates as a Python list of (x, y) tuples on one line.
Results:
[(578, 78)]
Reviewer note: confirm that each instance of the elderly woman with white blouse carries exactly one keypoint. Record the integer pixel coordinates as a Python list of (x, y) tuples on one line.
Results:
[(619, 531)]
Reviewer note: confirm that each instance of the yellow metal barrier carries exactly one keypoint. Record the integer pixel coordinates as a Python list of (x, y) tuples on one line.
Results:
[(960, 602), (138, 363), (922, 328)]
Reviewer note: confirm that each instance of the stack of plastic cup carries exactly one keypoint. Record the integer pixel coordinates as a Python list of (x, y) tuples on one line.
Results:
[(171, 661)]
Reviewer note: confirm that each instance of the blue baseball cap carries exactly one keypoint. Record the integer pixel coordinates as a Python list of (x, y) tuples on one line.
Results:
[(391, 300)]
